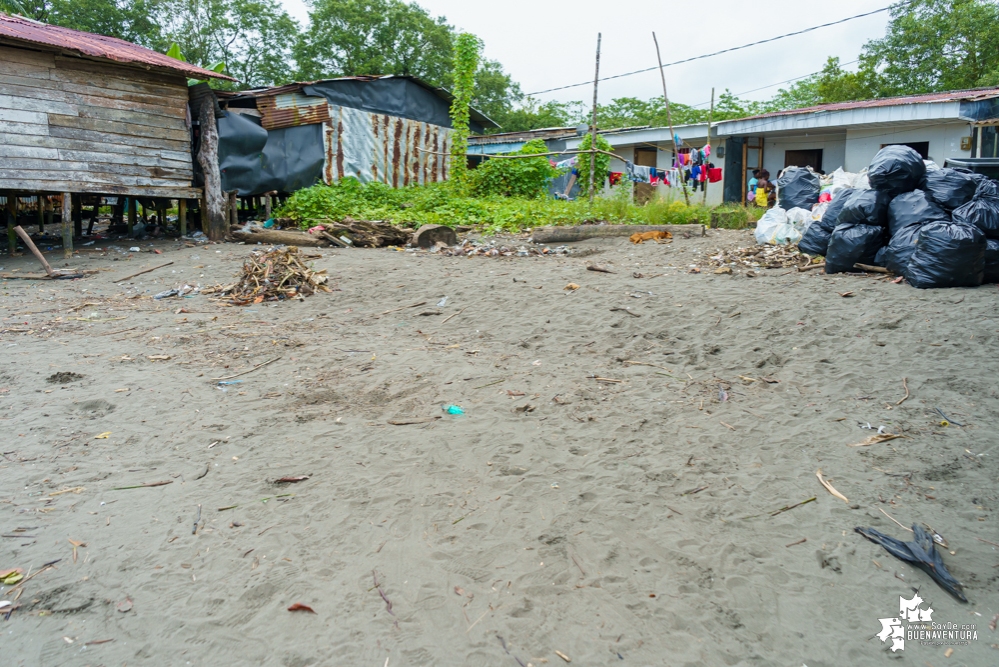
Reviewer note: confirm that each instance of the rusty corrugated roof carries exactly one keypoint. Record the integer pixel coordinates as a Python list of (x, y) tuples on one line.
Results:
[(96, 46), (291, 110), (925, 98)]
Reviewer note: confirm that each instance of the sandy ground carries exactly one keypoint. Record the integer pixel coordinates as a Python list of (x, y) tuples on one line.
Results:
[(625, 522)]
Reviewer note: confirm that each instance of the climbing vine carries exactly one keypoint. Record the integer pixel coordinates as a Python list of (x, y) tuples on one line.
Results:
[(526, 177), (466, 62), (583, 163)]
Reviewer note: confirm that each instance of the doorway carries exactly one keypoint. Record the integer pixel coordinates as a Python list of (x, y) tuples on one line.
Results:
[(645, 157), (804, 158), (752, 159), (921, 147)]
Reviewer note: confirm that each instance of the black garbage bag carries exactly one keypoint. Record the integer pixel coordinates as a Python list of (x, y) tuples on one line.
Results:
[(992, 262), (949, 188), (987, 188), (948, 254), (853, 244), (982, 212), (879, 259), (979, 178), (899, 250), (798, 188), (865, 207), (896, 170), (921, 552), (816, 238), (912, 207)]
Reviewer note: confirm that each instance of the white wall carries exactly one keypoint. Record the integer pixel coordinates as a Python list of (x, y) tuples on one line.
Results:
[(833, 151), (945, 142)]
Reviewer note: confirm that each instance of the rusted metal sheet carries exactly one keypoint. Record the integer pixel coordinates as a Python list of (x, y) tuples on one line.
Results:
[(389, 149), (98, 46), (291, 110)]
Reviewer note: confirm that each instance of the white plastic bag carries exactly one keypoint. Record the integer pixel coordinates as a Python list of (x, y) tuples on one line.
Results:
[(775, 229), (800, 219), (818, 211)]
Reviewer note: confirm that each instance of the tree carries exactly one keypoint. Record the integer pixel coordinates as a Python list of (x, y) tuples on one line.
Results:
[(356, 37), (254, 38), (934, 45), (533, 115), (12, 7), (131, 20), (495, 91)]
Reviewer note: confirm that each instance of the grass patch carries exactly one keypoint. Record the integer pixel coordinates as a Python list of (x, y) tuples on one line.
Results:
[(439, 204)]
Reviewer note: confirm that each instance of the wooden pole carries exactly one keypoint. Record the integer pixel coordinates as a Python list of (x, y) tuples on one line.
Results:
[(233, 210), (78, 217), (34, 249), (208, 158), (67, 225), (593, 125), (182, 216), (49, 212), (669, 118), (41, 213), (711, 114), (132, 205), (11, 223), (267, 207)]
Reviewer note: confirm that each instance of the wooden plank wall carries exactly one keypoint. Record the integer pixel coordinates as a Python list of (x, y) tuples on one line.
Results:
[(72, 125)]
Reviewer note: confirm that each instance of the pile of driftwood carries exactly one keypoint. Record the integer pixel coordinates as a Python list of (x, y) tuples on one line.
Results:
[(362, 233), (323, 232), (272, 276)]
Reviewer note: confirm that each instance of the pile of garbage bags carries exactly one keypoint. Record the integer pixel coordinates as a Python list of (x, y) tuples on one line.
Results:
[(938, 227)]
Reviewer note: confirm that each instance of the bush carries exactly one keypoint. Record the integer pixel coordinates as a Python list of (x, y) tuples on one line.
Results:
[(515, 177), (602, 163)]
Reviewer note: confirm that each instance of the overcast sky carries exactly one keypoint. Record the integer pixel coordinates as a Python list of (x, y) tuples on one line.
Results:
[(545, 44)]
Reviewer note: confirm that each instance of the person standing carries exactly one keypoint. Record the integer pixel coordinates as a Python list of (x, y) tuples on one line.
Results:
[(751, 190), (763, 189)]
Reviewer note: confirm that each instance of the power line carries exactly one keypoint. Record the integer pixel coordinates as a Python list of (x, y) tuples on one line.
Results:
[(717, 53), (781, 83)]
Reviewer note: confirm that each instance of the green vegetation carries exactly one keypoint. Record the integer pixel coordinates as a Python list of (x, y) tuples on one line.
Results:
[(526, 177), (466, 61), (601, 162), (438, 204)]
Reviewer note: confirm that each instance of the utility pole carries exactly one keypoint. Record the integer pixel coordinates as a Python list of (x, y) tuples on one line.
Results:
[(669, 118), (593, 125)]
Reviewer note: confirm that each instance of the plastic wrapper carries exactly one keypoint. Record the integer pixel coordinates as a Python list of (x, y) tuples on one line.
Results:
[(899, 250), (950, 188), (982, 212), (992, 261), (896, 170), (913, 207), (774, 228), (865, 207), (798, 188), (948, 254), (853, 244)]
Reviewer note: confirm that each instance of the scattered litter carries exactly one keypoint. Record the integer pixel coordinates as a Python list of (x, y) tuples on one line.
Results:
[(470, 248), (135, 249), (442, 302), (103, 436), (922, 552), (761, 257), (298, 606), (228, 382), (876, 439), (829, 487), (125, 605), (453, 410), (291, 480)]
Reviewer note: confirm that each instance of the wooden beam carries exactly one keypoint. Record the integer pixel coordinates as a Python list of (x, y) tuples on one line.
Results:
[(182, 216), (41, 213), (11, 223), (67, 225), (132, 205)]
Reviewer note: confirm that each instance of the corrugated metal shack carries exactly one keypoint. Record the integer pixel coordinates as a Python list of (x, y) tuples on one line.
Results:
[(392, 129), (83, 114)]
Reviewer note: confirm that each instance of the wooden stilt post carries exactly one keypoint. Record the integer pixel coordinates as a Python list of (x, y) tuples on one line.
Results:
[(49, 212), (669, 118), (78, 216), (182, 216), (203, 211), (209, 160), (267, 207), (41, 213), (67, 225), (233, 210), (593, 126), (11, 223), (711, 115), (132, 204)]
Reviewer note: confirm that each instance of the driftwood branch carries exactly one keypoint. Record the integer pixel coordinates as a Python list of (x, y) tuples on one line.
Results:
[(583, 232)]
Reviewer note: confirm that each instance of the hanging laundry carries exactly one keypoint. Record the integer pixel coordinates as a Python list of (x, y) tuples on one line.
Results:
[(714, 175), (615, 177), (565, 164), (706, 150)]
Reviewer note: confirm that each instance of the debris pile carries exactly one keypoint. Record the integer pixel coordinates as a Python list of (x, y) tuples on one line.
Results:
[(274, 275), (761, 257), (361, 233), (469, 248)]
